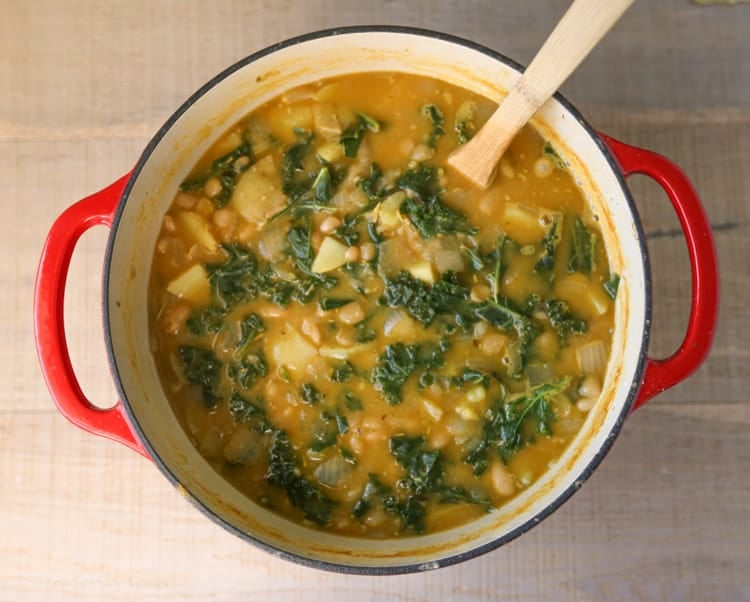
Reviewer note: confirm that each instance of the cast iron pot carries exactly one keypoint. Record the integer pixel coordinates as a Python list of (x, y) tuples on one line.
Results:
[(133, 206)]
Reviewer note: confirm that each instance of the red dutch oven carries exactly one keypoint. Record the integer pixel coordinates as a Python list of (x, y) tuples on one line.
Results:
[(133, 206)]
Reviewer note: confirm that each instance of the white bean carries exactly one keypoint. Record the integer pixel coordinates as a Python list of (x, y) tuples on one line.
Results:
[(329, 224), (351, 313), (367, 251), (493, 343), (212, 187), (310, 328), (502, 480), (352, 254), (543, 167), (590, 387)]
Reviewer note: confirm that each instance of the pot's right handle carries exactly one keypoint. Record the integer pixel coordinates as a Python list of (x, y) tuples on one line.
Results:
[(49, 292), (704, 307)]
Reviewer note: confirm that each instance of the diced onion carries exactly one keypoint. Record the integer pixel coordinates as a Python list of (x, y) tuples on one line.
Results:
[(393, 319), (244, 446), (333, 472), (539, 374), (462, 430), (592, 357)]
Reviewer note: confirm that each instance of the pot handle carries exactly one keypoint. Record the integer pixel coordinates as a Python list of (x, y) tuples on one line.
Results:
[(49, 329), (661, 374)]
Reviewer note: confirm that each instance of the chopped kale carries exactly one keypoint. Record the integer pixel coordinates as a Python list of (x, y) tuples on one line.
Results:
[(457, 495), (284, 473), (348, 231), (425, 209), (502, 431), (329, 303), (423, 302), (424, 468), (435, 115), (342, 424), (202, 368), (322, 186), (421, 181), (352, 136), (373, 186), (343, 372), (553, 155), (250, 327), (246, 411), (410, 293), (227, 170), (300, 249), (294, 181), (411, 511), (246, 372), (499, 267), (310, 394), (504, 317), (348, 456), (352, 402), (236, 279), (206, 321), (398, 363), (364, 333), (583, 248), (551, 240), (563, 321), (611, 285)]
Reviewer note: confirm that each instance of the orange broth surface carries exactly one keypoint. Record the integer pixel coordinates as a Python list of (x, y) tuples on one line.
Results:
[(358, 339)]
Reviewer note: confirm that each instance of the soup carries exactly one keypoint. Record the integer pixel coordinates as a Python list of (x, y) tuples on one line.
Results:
[(356, 338)]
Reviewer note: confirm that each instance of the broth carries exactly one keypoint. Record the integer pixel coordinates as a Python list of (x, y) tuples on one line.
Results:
[(356, 338)]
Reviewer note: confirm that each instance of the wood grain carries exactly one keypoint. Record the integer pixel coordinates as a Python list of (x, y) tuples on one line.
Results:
[(86, 83)]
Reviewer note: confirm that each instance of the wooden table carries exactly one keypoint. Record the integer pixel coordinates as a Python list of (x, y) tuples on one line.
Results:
[(83, 86)]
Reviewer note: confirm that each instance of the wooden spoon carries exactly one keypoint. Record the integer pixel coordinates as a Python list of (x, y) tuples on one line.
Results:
[(581, 27)]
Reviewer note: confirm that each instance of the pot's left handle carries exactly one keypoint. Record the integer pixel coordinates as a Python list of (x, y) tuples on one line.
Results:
[(49, 327)]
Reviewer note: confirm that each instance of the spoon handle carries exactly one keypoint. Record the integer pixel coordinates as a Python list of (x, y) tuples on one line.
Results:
[(580, 29)]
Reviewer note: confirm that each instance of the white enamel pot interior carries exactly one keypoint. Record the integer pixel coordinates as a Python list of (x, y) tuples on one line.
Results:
[(189, 133)]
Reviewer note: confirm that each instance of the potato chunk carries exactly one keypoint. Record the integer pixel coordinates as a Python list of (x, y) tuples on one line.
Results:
[(258, 194), (191, 285)]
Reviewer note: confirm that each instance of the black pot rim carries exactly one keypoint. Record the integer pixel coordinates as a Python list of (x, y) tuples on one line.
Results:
[(533, 520)]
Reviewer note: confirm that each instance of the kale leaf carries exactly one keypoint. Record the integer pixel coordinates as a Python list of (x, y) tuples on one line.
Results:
[(583, 249), (551, 240), (435, 115), (236, 279), (226, 169), (398, 362), (423, 302), (352, 136), (284, 473), (563, 321), (502, 430), (294, 181), (611, 285), (500, 314), (246, 372), (343, 372), (423, 205), (206, 321), (201, 367), (246, 411), (424, 468), (250, 327)]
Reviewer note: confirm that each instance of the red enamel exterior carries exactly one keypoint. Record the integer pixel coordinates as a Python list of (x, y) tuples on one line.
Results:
[(662, 374), (99, 209), (49, 295)]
